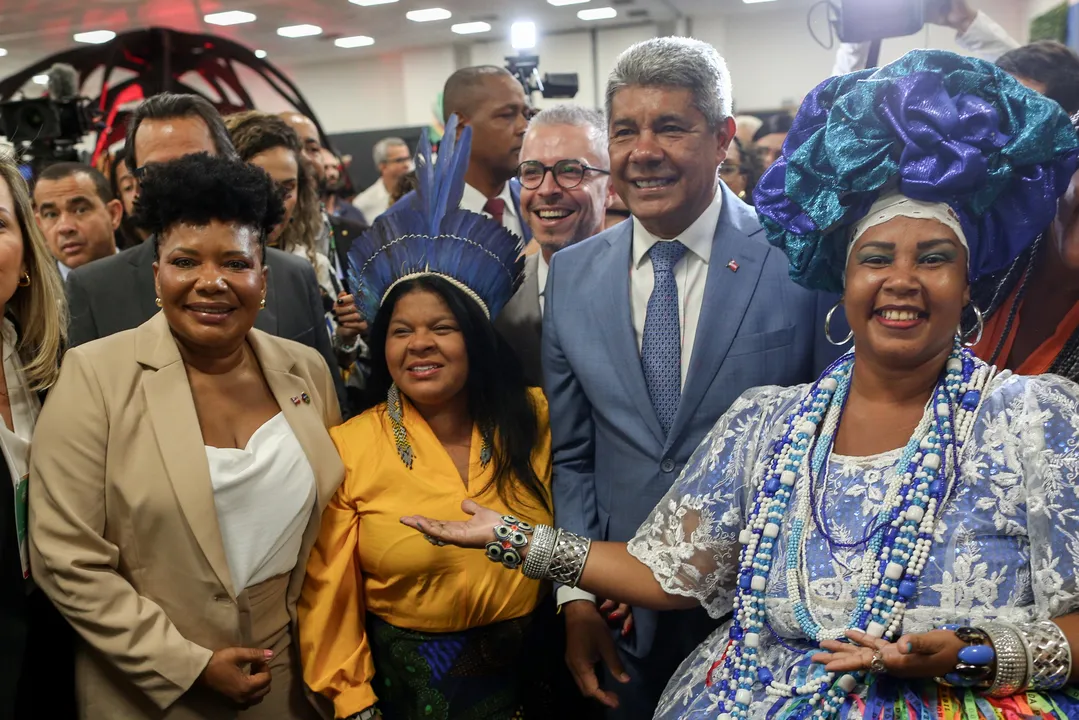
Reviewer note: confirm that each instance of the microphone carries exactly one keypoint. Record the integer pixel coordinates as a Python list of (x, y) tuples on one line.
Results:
[(63, 82)]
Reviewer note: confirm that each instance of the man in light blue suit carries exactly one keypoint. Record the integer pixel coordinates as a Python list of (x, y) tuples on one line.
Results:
[(651, 330)]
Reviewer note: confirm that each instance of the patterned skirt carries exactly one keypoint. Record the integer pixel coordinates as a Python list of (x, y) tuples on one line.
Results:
[(502, 671)]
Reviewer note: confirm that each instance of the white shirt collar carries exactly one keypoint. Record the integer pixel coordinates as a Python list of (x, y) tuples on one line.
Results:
[(64, 270), (472, 199), (697, 237), (541, 273)]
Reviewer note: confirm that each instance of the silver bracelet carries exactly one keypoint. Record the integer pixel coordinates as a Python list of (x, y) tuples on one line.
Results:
[(570, 554), (540, 552), (1050, 655), (1012, 662)]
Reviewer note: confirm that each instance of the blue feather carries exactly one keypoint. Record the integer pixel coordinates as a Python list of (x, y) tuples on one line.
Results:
[(434, 236)]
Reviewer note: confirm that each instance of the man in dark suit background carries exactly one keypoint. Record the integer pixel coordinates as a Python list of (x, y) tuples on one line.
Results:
[(565, 188), (492, 102), (117, 293)]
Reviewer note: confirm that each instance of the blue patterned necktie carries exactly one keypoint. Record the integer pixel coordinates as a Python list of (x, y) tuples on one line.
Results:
[(661, 344)]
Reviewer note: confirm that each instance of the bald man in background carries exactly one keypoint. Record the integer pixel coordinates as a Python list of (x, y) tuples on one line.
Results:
[(493, 103)]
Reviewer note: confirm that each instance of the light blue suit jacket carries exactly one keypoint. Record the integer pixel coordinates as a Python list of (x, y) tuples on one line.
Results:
[(612, 462)]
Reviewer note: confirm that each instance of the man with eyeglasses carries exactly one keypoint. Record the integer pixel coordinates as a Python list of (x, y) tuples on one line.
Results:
[(564, 176)]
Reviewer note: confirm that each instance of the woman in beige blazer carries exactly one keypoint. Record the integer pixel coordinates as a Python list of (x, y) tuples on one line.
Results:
[(180, 469)]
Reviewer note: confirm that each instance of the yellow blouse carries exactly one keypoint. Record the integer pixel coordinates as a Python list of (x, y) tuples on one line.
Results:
[(365, 560)]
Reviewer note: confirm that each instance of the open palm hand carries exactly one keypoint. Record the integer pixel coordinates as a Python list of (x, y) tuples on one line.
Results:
[(476, 532)]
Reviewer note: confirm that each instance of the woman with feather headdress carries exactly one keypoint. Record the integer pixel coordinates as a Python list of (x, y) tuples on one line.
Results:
[(385, 617)]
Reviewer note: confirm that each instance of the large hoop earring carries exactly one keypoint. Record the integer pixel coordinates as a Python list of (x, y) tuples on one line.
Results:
[(979, 327), (828, 328)]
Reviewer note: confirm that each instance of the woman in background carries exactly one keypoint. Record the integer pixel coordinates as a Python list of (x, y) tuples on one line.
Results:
[(180, 470), (35, 642), (125, 188), (268, 142), (740, 170), (385, 617)]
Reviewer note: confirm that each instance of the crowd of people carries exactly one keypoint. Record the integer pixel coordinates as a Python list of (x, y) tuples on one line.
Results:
[(648, 411)]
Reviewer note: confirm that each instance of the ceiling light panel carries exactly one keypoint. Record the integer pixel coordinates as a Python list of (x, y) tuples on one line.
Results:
[(604, 13), (470, 28), (94, 37), (368, 3), (299, 31), (354, 41), (229, 17), (429, 15)]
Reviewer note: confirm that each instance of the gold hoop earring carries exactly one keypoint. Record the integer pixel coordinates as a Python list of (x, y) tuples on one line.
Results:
[(262, 304), (157, 301), (828, 328), (24, 279)]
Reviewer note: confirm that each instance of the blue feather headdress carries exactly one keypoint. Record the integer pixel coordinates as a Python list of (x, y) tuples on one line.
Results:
[(433, 236)]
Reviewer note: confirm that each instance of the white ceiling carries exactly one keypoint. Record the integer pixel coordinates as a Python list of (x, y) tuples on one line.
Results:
[(41, 27)]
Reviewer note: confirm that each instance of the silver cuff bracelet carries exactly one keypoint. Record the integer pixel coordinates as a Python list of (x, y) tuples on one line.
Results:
[(1012, 665), (540, 552), (1048, 652)]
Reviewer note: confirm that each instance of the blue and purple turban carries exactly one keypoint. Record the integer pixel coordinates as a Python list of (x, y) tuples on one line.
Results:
[(935, 127)]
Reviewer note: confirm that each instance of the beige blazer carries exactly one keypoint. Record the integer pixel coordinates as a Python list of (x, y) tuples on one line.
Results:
[(123, 529)]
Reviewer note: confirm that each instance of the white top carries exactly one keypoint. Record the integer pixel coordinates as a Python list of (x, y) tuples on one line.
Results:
[(264, 495), (690, 275), (373, 201), (541, 276), (472, 199), (16, 441), (984, 39)]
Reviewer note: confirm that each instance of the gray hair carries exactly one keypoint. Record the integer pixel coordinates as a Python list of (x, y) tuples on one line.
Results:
[(582, 117), (676, 62), (383, 145)]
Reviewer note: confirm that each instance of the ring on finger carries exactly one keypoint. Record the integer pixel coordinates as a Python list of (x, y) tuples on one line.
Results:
[(876, 665)]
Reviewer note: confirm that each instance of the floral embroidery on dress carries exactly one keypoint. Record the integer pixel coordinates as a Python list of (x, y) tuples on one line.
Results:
[(1006, 547)]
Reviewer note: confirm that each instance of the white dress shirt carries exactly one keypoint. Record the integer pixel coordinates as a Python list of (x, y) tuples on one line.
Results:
[(264, 495), (984, 39), (472, 199), (690, 275), (64, 270), (541, 277), (373, 201)]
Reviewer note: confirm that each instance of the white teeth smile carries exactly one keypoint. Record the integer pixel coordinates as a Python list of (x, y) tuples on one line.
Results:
[(553, 214), (645, 184), (422, 368), (900, 315)]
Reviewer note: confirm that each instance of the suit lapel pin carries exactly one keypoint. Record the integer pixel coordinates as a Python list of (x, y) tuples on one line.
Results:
[(306, 398), (732, 266), (295, 400)]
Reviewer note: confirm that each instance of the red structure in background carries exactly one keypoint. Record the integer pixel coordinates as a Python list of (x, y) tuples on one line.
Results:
[(158, 58)]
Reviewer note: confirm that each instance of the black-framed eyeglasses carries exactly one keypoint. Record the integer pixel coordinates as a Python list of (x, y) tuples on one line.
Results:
[(567, 173), (727, 169)]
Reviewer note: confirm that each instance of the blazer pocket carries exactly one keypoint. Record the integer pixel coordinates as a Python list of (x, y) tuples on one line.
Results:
[(761, 342)]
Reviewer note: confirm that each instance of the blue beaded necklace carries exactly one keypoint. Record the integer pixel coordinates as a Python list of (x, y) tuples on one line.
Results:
[(897, 543)]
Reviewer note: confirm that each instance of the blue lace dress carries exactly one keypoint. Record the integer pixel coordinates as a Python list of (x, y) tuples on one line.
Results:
[(1006, 547)]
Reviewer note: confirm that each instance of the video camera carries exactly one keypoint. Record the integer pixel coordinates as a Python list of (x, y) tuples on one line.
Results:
[(46, 130), (552, 85)]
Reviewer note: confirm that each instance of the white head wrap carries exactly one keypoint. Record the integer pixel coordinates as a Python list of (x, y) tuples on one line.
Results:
[(896, 205)]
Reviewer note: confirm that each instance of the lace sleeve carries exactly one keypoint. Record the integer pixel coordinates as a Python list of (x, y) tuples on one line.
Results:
[(690, 541), (1044, 415)]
